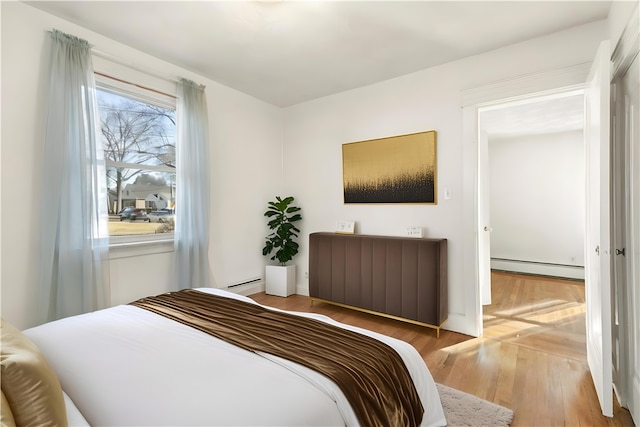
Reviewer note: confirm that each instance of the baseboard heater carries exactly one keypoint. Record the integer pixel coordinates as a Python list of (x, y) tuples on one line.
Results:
[(538, 268), (537, 262), (248, 282)]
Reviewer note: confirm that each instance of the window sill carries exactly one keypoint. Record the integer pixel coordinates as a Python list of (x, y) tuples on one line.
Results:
[(127, 247)]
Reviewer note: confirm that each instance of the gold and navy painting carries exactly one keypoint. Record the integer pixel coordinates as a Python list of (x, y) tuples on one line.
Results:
[(398, 169)]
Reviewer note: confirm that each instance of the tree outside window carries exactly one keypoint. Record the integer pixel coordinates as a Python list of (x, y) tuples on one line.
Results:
[(139, 141)]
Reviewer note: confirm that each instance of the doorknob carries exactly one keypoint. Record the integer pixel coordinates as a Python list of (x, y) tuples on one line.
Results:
[(486, 228), (620, 252), (598, 249)]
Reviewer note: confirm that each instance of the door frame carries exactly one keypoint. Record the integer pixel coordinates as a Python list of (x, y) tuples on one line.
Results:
[(626, 380), (620, 168), (549, 83)]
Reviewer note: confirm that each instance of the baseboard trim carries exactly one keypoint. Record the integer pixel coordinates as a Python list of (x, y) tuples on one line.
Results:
[(634, 399), (460, 323)]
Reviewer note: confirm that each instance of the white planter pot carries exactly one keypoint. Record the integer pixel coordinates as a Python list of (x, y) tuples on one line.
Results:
[(280, 280)]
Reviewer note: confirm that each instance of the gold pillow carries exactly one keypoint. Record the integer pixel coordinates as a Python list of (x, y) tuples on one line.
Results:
[(29, 384), (6, 416)]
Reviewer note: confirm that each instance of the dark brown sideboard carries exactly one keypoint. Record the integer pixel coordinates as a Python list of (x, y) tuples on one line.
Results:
[(397, 277)]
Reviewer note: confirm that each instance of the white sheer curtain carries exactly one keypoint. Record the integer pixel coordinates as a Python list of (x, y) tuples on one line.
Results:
[(74, 233), (191, 235)]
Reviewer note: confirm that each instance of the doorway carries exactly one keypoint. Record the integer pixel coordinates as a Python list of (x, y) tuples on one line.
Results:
[(531, 187)]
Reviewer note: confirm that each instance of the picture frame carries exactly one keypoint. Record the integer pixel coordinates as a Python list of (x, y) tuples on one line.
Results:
[(397, 169), (345, 227)]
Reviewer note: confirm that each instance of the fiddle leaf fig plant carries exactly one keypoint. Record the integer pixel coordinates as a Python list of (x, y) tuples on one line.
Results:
[(282, 215)]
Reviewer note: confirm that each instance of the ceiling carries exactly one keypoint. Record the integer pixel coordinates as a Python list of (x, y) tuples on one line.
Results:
[(560, 113), (287, 52)]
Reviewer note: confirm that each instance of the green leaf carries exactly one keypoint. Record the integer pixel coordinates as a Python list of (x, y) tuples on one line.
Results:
[(296, 217)]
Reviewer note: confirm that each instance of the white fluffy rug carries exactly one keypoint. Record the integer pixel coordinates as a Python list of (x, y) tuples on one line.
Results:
[(463, 409)]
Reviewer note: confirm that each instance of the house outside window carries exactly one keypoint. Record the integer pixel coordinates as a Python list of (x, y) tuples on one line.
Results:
[(138, 137)]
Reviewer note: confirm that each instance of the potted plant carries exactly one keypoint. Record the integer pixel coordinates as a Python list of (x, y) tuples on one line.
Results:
[(281, 279)]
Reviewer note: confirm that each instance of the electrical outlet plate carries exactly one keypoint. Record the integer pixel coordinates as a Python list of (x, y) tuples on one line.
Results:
[(414, 231)]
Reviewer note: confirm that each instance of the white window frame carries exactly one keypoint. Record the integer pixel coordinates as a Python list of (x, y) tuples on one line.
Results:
[(138, 85)]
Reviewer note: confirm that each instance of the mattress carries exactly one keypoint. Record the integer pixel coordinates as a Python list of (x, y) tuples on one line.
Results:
[(128, 366)]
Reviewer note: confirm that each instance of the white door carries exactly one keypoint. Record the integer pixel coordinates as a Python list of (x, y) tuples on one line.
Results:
[(597, 236)]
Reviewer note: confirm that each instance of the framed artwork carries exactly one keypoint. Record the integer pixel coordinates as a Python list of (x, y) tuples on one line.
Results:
[(398, 169), (345, 227)]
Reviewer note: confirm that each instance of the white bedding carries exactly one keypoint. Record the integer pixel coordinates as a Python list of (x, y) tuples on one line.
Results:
[(74, 417), (128, 366)]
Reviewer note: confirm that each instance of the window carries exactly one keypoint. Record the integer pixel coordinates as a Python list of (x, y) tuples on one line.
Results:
[(138, 136)]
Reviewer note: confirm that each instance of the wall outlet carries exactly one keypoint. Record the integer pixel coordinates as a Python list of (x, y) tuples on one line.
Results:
[(413, 231)]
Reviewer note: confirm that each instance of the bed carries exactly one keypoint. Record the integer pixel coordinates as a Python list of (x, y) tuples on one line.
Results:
[(129, 365)]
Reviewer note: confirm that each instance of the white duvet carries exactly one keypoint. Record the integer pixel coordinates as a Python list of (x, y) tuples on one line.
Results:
[(125, 366)]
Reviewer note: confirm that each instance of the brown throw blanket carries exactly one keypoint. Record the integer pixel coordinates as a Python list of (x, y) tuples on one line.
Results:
[(371, 374)]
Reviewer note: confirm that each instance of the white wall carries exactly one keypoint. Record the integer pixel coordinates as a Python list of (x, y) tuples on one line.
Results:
[(246, 138), (427, 100), (537, 199)]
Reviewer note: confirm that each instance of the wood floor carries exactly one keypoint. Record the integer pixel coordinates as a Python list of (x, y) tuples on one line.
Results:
[(532, 357)]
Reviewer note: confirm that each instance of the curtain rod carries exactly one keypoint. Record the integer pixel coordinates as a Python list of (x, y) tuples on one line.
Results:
[(133, 84), (121, 61)]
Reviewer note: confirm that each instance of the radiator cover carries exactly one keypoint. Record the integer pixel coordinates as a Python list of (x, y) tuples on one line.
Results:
[(402, 278)]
